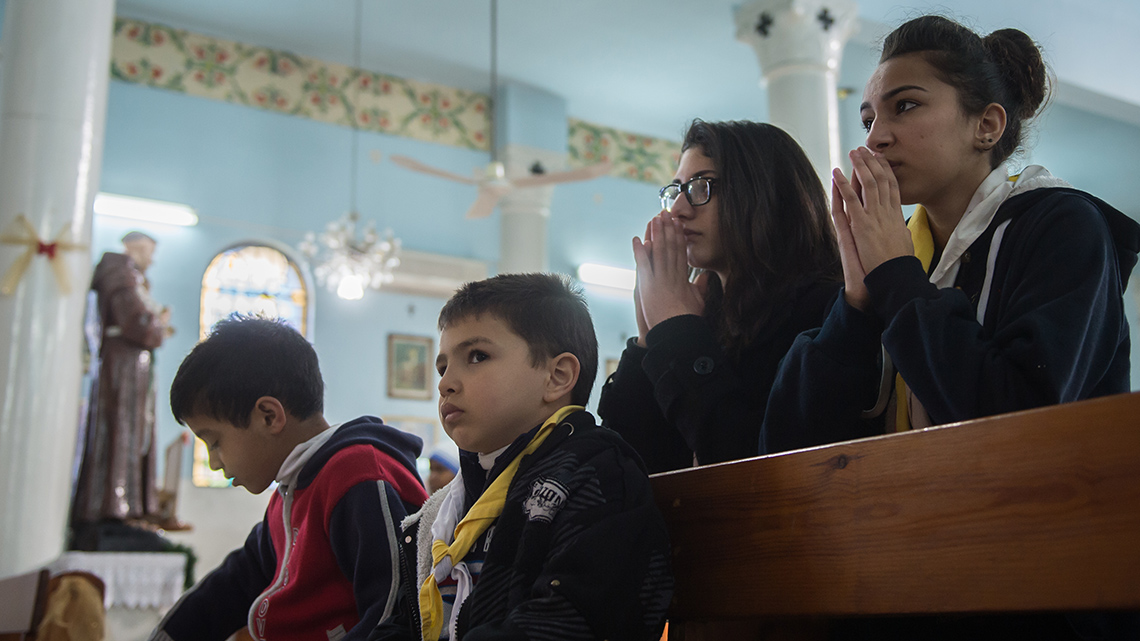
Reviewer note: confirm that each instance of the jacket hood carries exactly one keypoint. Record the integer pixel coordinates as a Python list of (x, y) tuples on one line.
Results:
[(404, 448), (1124, 230), (1126, 237)]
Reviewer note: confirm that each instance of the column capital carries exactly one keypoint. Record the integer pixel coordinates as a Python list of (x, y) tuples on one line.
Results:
[(796, 35)]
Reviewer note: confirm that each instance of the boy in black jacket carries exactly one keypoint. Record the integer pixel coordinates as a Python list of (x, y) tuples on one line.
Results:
[(550, 529)]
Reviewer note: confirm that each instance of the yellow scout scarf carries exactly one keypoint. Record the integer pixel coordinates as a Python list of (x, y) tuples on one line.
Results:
[(478, 519), (923, 240)]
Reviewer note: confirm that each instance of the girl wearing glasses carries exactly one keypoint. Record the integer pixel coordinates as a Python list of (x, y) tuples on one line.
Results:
[(1001, 293), (747, 212)]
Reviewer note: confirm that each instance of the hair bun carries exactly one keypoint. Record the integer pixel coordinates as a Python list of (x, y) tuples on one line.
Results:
[(1022, 69)]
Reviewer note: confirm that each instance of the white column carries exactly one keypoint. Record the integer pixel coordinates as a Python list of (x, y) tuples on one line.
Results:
[(53, 99), (525, 212), (799, 44)]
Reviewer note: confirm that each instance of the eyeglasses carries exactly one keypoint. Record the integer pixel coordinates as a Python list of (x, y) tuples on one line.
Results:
[(697, 191)]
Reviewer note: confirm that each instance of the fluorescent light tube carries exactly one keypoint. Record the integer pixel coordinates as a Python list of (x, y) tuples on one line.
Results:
[(145, 209), (606, 276)]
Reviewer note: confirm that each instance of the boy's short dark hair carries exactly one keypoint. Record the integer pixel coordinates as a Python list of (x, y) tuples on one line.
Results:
[(243, 359), (546, 310)]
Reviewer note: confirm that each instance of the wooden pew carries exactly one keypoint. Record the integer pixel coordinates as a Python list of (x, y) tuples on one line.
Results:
[(1031, 511)]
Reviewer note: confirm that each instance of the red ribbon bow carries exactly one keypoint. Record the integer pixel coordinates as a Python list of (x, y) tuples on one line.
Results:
[(47, 248)]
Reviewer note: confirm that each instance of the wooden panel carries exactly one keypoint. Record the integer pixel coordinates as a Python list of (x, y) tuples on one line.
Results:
[(1038, 510)]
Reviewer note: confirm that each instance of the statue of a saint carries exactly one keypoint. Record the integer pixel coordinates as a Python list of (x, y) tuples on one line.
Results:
[(116, 483)]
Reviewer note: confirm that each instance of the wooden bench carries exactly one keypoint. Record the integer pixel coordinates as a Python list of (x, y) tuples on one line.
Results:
[(1024, 512)]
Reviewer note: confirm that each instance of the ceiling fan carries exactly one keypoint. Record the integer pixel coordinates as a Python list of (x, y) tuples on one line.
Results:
[(494, 184)]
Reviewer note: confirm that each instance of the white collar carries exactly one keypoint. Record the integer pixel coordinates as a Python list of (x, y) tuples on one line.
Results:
[(291, 468), (994, 190)]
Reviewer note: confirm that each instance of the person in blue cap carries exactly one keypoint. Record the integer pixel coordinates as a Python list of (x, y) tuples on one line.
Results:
[(444, 461)]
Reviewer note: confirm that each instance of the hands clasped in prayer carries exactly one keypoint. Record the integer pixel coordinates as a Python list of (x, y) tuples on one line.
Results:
[(867, 212), (663, 287)]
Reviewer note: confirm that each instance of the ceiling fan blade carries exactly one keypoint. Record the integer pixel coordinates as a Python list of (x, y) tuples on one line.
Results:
[(415, 165), (588, 172), (485, 202)]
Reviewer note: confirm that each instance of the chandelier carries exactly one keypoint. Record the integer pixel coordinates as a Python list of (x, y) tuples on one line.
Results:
[(347, 262), (344, 261)]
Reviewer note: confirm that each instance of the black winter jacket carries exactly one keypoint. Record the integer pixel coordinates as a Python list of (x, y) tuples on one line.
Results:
[(597, 568), (1054, 329), (684, 396)]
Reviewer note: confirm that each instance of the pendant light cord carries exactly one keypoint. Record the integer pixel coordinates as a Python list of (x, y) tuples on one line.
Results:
[(494, 73), (355, 106)]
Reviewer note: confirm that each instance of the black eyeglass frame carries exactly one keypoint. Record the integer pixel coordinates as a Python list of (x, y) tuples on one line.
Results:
[(687, 189)]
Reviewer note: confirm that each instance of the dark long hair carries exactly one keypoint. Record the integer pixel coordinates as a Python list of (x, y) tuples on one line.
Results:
[(1004, 67), (773, 223)]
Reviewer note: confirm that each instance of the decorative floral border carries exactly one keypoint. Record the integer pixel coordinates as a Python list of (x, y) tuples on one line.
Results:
[(159, 56), (177, 60), (635, 157)]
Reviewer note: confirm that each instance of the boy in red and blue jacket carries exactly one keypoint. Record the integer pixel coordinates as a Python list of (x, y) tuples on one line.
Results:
[(320, 565)]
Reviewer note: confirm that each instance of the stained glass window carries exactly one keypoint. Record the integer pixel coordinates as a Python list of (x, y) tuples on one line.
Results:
[(247, 279)]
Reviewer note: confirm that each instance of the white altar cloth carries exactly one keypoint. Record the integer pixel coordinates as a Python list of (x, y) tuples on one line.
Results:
[(133, 579)]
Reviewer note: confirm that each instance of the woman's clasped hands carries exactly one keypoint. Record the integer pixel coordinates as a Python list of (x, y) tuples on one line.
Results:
[(869, 225), (663, 287)]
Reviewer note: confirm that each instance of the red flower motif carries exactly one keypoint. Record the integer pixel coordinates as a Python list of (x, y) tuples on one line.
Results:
[(199, 53), (312, 77), (605, 158), (199, 76), (332, 100), (605, 142), (631, 139), (446, 104), (219, 77), (332, 80), (364, 118), (425, 119), (426, 99), (479, 136), (589, 139), (221, 56), (479, 107), (132, 70), (259, 97), (316, 99), (444, 122), (157, 38), (133, 33), (156, 72), (645, 142), (365, 82), (261, 62), (384, 122), (285, 67), (589, 155), (280, 101), (632, 171), (386, 87)]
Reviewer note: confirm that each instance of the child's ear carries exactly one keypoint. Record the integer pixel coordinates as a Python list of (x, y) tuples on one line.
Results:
[(563, 376), (269, 414)]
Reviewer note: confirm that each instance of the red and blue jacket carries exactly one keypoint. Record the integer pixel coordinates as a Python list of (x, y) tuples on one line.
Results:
[(322, 564)]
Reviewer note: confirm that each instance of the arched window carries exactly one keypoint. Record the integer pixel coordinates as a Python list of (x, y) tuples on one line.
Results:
[(248, 279)]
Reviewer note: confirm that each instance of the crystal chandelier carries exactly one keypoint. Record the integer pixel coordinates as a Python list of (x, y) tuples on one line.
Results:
[(343, 261), (346, 262)]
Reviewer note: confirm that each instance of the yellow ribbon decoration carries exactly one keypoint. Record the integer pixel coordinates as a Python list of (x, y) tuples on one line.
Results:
[(29, 238), (923, 240), (479, 518)]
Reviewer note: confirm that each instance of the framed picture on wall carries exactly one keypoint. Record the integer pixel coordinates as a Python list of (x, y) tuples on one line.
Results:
[(410, 367), (422, 426)]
